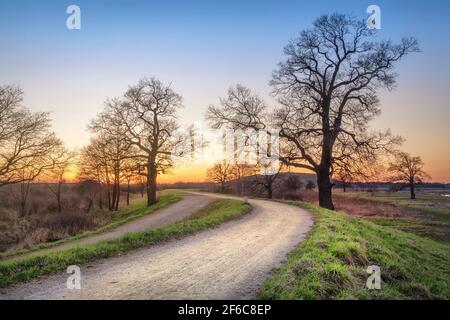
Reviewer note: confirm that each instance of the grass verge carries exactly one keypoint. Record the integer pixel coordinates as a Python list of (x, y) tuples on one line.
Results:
[(138, 208), (331, 263), (212, 215)]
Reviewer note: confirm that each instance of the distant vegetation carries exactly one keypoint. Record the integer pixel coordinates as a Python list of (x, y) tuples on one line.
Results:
[(44, 224)]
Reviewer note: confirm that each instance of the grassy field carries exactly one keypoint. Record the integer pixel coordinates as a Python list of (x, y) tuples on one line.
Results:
[(212, 215), (427, 216), (137, 209), (331, 263)]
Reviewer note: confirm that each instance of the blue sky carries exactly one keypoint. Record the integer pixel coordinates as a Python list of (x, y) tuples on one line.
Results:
[(203, 47)]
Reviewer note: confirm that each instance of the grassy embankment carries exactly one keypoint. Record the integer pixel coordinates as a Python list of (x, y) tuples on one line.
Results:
[(27, 268), (136, 210), (331, 263)]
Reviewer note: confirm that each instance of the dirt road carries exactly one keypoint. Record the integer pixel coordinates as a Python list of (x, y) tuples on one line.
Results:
[(228, 262)]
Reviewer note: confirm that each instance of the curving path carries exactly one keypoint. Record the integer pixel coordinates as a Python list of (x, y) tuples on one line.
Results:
[(227, 262)]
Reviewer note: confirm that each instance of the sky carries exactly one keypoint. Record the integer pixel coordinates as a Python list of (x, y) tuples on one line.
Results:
[(204, 47)]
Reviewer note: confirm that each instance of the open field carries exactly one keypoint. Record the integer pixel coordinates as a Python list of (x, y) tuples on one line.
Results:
[(428, 215)]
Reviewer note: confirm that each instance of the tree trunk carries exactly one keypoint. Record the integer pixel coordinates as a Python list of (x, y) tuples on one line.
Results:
[(59, 203), (151, 185), (114, 197), (116, 207), (108, 190), (90, 204), (344, 186), (128, 193), (323, 171), (269, 191), (100, 200), (58, 197), (411, 189), (24, 191), (325, 186)]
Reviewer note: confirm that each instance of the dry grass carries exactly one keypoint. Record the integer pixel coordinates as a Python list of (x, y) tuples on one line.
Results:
[(27, 231), (360, 206), (41, 222), (427, 216)]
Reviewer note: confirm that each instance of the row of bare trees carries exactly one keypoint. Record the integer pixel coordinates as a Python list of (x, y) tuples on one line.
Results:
[(246, 179), (28, 148), (223, 173), (134, 137)]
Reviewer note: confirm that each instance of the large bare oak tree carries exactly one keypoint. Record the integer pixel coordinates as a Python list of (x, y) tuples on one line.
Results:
[(148, 113), (327, 93)]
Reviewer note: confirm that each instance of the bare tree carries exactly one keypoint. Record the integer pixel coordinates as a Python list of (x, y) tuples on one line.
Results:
[(239, 172), (326, 89), (220, 173), (94, 169), (357, 166), (345, 177), (131, 171), (90, 189), (117, 148), (26, 141), (266, 180), (63, 160), (293, 182), (408, 169), (310, 185), (148, 113), (33, 169)]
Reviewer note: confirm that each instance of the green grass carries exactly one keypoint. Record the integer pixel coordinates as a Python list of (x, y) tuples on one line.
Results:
[(137, 209), (332, 262), (27, 268), (436, 230)]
